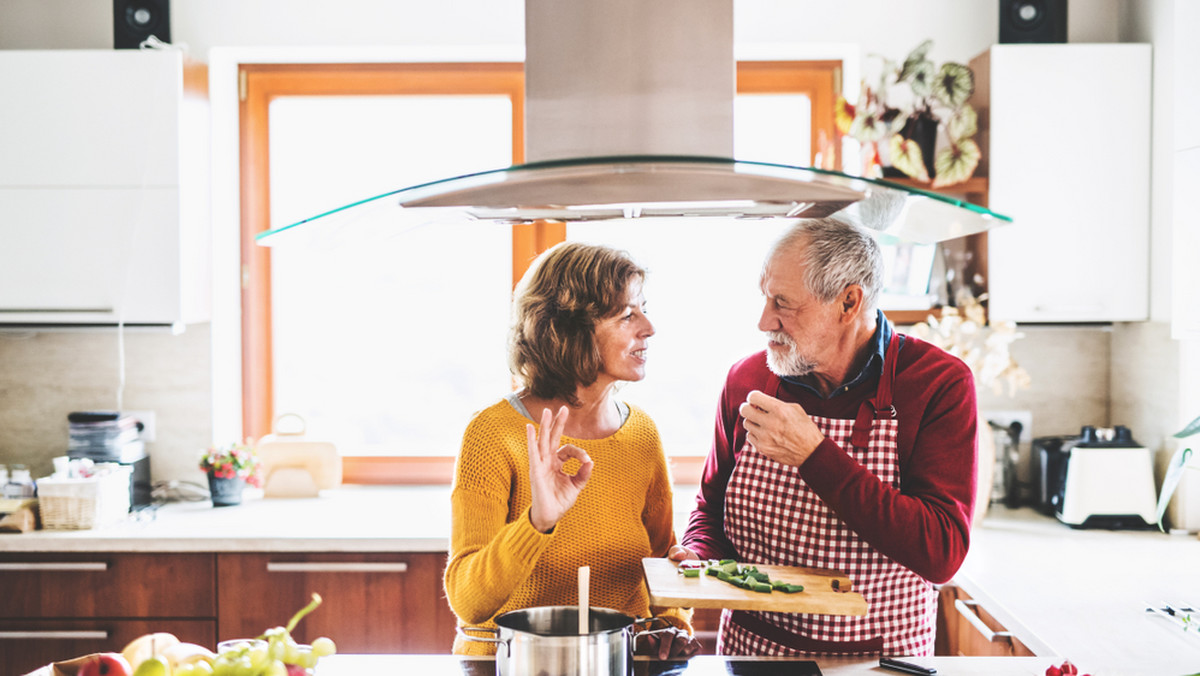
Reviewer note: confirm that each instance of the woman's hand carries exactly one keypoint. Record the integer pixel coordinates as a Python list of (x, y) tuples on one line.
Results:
[(552, 490), (665, 644)]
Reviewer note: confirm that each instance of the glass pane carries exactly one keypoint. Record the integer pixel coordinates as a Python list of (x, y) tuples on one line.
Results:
[(388, 345), (703, 298), (774, 128)]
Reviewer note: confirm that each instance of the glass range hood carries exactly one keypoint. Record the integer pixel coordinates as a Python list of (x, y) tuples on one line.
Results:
[(651, 187)]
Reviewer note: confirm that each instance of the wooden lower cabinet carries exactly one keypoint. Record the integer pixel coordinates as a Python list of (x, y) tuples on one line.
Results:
[(26, 645), (371, 602), (62, 605), (965, 628), (705, 623)]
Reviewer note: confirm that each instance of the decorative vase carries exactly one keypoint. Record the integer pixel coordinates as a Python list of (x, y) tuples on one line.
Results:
[(225, 492), (922, 129)]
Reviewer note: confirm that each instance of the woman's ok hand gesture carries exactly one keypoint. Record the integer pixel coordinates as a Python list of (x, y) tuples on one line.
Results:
[(553, 490)]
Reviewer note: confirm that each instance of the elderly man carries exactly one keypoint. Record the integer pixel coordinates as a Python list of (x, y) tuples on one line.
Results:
[(843, 445)]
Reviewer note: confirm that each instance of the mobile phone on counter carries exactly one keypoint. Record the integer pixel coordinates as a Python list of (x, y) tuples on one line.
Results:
[(906, 667)]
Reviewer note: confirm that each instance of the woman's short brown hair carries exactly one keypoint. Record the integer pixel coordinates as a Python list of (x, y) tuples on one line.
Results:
[(557, 304)]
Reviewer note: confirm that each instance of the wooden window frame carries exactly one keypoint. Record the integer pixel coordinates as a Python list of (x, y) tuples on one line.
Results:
[(260, 84)]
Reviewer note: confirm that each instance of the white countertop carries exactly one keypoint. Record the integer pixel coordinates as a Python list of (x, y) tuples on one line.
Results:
[(346, 519), (1080, 594)]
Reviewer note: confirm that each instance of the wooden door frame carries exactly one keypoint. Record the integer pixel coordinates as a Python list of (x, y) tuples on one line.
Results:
[(259, 85)]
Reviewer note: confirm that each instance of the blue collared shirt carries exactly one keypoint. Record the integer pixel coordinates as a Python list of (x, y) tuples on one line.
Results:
[(874, 365)]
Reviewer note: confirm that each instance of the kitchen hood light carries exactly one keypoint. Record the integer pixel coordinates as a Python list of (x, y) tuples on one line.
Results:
[(629, 114)]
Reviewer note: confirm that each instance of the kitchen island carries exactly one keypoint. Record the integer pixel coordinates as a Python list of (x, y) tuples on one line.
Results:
[(704, 665), (1062, 592)]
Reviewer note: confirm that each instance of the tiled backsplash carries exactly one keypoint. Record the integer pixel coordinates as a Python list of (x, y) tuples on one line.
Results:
[(47, 374)]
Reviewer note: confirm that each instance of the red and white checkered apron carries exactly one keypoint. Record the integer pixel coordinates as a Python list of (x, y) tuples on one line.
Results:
[(772, 517)]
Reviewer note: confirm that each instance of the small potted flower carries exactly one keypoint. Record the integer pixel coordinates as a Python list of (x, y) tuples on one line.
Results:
[(230, 467)]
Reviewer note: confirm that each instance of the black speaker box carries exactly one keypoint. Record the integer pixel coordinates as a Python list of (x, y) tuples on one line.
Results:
[(136, 20), (1033, 21)]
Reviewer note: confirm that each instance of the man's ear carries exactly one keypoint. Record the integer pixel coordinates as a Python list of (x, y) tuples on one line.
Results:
[(852, 302)]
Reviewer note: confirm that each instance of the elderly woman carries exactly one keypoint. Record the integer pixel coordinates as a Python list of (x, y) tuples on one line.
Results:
[(560, 473)]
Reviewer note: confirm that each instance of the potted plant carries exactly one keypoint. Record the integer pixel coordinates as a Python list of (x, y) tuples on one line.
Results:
[(918, 116), (1175, 468), (229, 468)]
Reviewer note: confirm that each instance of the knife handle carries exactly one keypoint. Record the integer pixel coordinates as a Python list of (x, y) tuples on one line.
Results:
[(906, 667)]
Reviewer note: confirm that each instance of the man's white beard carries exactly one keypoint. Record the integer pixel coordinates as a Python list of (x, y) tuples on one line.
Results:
[(791, 363)]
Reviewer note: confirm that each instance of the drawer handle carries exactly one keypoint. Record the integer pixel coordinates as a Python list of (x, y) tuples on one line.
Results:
[(967, 610), (56, 310), (80, 634), (336, 567), (56, 566)]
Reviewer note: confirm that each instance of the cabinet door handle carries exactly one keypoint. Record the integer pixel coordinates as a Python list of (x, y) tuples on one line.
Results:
[(967, 610), (77, 634), (73, 566), (336, 567)]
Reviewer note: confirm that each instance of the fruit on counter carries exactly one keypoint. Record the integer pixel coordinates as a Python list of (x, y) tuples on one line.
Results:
[(148, 645), (105, 664), (187, 654), (195, 669), (153, 666), (275, 653)]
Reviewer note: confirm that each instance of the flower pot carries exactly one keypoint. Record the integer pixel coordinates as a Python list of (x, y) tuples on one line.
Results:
[(922, 129), (225, 491)]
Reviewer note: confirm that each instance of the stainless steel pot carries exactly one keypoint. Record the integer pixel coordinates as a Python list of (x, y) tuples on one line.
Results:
[(545, 640)]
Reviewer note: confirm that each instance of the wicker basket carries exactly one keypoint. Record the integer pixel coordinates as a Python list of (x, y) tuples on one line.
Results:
[(79, 504)]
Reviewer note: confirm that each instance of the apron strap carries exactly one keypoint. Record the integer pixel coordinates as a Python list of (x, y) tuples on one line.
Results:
[(881, 404)]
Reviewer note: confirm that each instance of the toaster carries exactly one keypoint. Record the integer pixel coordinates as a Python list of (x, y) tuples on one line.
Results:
[(1100, 479)]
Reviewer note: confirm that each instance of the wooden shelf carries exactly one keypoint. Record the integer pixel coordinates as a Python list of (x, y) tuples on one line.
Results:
[(974, 189)]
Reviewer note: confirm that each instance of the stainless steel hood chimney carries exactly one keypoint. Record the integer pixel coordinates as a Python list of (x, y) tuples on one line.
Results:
[(629, 114)]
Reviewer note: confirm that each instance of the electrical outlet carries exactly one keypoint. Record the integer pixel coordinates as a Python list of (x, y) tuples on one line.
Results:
[(1006, 418), (149, 430)]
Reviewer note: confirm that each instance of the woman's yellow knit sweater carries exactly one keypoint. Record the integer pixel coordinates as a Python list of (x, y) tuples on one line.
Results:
[(500, 562)]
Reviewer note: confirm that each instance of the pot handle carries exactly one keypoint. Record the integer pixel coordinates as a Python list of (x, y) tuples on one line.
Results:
[(649, 622), (495, 634)]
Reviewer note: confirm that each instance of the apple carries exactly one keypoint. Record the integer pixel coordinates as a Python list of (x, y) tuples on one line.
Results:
[(153, 666), (105, 664), (148, 645)]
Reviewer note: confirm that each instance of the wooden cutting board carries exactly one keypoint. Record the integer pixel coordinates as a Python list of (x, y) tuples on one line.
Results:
[(826, 592)]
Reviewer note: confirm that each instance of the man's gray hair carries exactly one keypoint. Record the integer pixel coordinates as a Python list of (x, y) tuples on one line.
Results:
[(835, 254)]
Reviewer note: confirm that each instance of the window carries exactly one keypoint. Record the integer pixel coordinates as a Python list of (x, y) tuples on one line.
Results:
[(385, 345)]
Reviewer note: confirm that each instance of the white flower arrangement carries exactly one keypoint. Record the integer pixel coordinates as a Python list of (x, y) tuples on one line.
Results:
[(963, 331)]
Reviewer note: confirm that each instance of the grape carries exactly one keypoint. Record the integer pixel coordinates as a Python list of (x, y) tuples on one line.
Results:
[(323, 646), (275, 653)]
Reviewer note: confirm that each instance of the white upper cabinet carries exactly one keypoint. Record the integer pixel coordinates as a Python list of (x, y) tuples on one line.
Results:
[(1066, 132), (104, 190)]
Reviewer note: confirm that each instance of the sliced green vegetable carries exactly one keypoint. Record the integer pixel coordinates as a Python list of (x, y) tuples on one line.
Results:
[(690, 572)]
